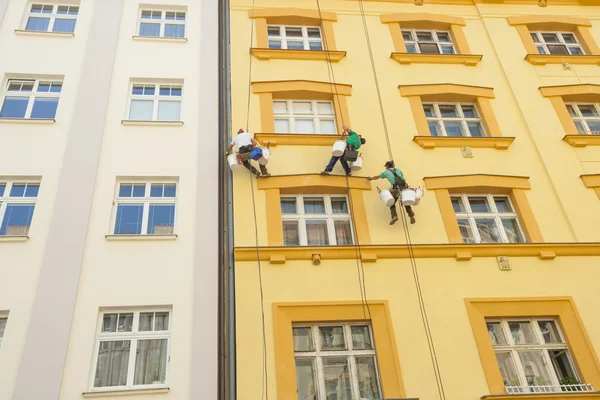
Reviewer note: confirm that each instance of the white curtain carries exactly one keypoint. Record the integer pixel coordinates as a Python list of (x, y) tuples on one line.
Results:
[(113, 359), (150, 362)]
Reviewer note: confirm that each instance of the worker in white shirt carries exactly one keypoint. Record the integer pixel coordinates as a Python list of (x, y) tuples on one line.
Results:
[(244, 143)]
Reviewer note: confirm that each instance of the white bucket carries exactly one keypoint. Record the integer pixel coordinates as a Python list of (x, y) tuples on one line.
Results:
[(409, 197), (338, 148), (233, 162), (265, 158), (420, 194), (356, 165), (386, 197)]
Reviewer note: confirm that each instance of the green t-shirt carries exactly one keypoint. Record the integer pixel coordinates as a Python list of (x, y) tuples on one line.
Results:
[(354, 140), (389, 175)]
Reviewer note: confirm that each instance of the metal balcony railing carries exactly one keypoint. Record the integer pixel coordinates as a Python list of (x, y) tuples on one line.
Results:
[(579, 387)]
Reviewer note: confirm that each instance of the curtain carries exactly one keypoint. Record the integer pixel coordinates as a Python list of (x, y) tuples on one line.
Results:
[(290, 233), (174, 30), (169, 110), (343, 232), (150, 362), (147, 29), (316, 233), (37, 24), (337, 379), (368, 386), (113, 360)]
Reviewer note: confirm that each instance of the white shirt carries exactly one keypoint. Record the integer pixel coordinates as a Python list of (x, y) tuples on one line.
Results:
[(242, 139)]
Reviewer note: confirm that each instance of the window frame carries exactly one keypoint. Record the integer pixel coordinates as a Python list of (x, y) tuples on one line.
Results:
[(6, 200), (436, 41), (145, 202), (461, 118), (315, 117), (583, 120), (541, 44), (163, 21), (301, 217), (134, 336), (52, 16), (32, 95), (283, 38), (156, 98)]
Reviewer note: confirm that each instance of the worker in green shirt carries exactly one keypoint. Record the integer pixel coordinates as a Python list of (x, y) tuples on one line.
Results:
[(353, 142), (396, 179)]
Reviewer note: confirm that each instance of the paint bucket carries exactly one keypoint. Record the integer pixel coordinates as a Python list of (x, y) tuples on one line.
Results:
[(356, 165), (409, 197), (266, 153), (386, 197), (338, 148), (420, 194), (256, 154), (233, 161)]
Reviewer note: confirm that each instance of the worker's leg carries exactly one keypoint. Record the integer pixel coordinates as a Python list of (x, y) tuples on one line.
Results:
[(251, 168), (393, 210), (346, 166), (263, 170), (331, 164), (411, 214)]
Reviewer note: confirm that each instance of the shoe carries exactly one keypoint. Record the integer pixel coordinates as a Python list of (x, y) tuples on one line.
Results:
[(266, 174), (324, 172), (257, 173), (348, 173), (394, 220), (412, 219)]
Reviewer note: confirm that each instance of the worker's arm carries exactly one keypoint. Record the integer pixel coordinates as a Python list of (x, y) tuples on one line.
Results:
[(254, 143), (229, 148), (373, 178)]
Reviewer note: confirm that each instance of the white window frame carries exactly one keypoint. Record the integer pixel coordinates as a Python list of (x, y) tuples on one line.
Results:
[(162, 21), (301, 217), (145, 201), (305, 39), (3, 316), (315, 117), (53, 16), (6, 200), (416, 42), (461, 117), (493, 214), (542, 46), (31, 95), (134, 336), (156, 99), (514, 349), (349, 353), (583, 120)]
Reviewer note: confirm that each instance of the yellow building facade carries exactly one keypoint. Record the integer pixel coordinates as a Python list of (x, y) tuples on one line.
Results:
[(492, 108)]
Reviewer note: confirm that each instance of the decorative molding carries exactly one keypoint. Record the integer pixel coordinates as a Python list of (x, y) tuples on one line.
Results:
[(582, 140), (295, 139), (570, 90), (477, 180), (422, 17), (419, 58), (290, 12), (446, 88), (301, 85), (286, 54), (491, 142), (543, 59), (327, 182), (548, 19)]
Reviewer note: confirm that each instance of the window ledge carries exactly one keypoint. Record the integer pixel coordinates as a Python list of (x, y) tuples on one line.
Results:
[(582, 140), (134, 122), (10, 239), (491, 142), (27, 120), (42, 33), (141, 237), (125, 392), (543, 59), (285, 54), (542, 396), (159, 39), (283, 139), (417, 58)]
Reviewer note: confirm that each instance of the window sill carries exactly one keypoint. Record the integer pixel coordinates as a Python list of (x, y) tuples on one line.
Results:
[(41, 33), (542, 396), (582, 140), (491, 142), (409, 58), (159, 39), (293, 139), (284, 54), (12, 239), (125, 392), (140, 237), (543, 59), (27, 120), (133, 122)]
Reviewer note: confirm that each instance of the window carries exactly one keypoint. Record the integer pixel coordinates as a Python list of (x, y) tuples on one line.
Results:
[(17, 202), (533, 356), (586, 117), (335, 361), (29, 98), (316, 221), (487, 219), (52, 18), (300, 116), (3, 321), (295, 37), (167, 24), (428, 42), (145, 208), (453, 119), (150, 102), (557, 43), (133, 348)]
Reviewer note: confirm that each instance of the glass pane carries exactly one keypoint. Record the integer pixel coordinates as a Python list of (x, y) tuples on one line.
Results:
[(296, 32), (169, 110), (454, 128), (488, 231), (424, 37), (64, 25), (129, 219), (535, 38), (305, 126), (273, 30), (139, 190), (434, 128), (580, 127), (149, 90), (17, 190), (303, 339), (535, 368), (444, 37), (316, 233), (469, 111), (429, 110), (588, 110), (315, 45), (44, 108), (411, 48), (146, 321), (457, 204), (164, 90), (550, 332), (314, 205), (302, 107), (174, 30), (275, 44), (14, 107), (2, 188), (305, 379), (571, 110), (569, 38), (448, 111), (502, 205), (447, 49), (282, 126), (508, 369), (542, 50), (295, 45), (522, 332), (361, 338), (151, 362), (324, 108), (475, 129), (32, 190), (161, 219), (327, 126), (125, 322), (2, 326), (513, 233), (343, 232), (170, 190), (156, 190), (17, 219), (496, 333), (429, 48), (339, 205), (161, 321), (37, 24), (594, 127), (141, 110), (337, 379), (368, 385), (43, 87), (332, 337), (313, 32), (280, 107), (113, 362), (407, 35), (465, 230), (575, 51), (557, 49), (147, 29), (291, 236), (109, 323), (550, 37), (479, 204), (288, 206), (562, 366)]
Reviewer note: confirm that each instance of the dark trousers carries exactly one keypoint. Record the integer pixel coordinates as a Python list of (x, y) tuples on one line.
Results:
[(395, 191), (344, 163), (244, 153)]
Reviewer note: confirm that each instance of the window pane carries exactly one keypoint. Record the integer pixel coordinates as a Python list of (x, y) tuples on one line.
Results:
[(571, 110), (488, 231), (522, 332), (411, 48), (332, 338), (569, 38), (109, 323), (169, 110), (337, 379), (475, 129), (141, 110), (479, 204), (457, 204), (288, 206), (575, 51), (129, 219), (296, 32), (550, 37), (305, 378), (550, 332), (305, 126), (14, 107), (174, 30), (424, 37), (429, 110), (161, 321), (535, 38), (454, 128), (594, 127), (465, 230), (37, 24), (580, 127), (469, 111), (147, 29), (434, 128), (156, 190), (291, 236), (295, 45), (429, 48), (125, 322), (139, 190), (313, 32), (315, 45), (44, 107), (535, 368), (361, 338), (339, 205), (562, 366), (2, 188), (273, 30), (64, 25), (513, 233), (314, 205), (161, 219), (275, 44), (17, 219), (280, 107), (367, 378), (316, 233), (588, 110), (146, 321), (542, 50), (496, 333), (502, 204), (448, 111), (170, 190), (17, 190), (444, 37), (302, 107), (113, 361), (303, 339), (343, 232), (327, 126), (324, 108), (2, 326), (447, 49), (407, 35), (32, 190), (507, 369), (282, 126), (150, 362), (557, 49)]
